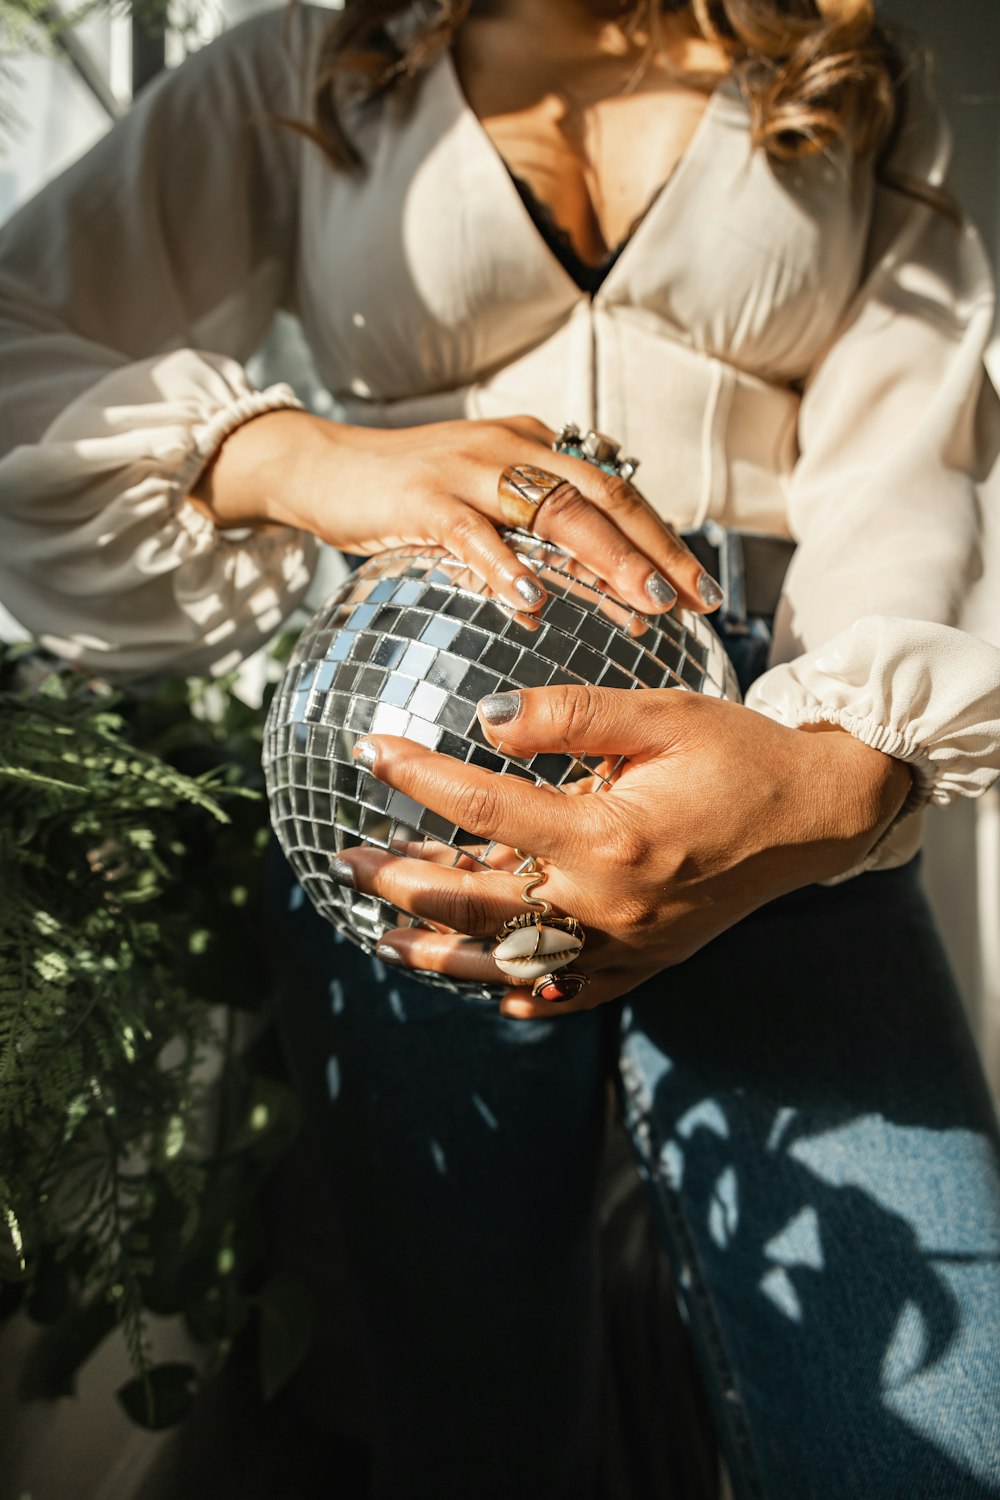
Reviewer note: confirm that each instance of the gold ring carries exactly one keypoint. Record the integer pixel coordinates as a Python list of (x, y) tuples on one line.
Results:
[(522, 489), (531, 948)]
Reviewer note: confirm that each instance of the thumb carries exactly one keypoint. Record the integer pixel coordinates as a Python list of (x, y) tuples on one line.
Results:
[(581, 720)]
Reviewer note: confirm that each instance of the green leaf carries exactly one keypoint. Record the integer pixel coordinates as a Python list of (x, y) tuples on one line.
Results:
[(161, 1398), (287, 1328), (12, 1262), (131, 825)]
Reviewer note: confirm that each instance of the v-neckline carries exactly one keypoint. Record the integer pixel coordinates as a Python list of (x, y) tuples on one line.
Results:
[(655, 205)]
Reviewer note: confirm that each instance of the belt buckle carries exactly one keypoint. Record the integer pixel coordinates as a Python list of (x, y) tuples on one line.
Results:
[(732, 575)]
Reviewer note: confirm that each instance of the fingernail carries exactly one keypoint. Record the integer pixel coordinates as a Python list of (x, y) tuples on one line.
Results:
[(530, 591), (341, 872), (500, 708), (660, 591), (365, 753), (387, 954), (709, 590)]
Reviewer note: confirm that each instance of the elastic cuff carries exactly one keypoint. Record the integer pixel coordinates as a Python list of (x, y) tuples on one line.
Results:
[(891, 742), (209, 437), (880, 737)]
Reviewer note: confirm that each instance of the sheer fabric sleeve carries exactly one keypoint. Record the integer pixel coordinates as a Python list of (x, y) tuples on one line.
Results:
[(898, 436), (132, 290)]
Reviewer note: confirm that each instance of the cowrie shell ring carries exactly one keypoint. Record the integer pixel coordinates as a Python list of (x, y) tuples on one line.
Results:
[(534, 946)]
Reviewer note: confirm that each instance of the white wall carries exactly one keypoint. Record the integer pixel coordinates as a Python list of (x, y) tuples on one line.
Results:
[(963, 844)]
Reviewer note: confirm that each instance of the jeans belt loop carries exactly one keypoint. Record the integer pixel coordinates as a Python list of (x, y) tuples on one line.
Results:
[(732, 574)]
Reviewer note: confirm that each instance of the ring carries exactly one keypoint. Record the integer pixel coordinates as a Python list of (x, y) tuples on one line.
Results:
[(597, 449), (532, 947), (559, 987), (522, 490)]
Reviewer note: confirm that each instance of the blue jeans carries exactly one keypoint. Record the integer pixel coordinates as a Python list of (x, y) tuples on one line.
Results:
[(822, 1156)]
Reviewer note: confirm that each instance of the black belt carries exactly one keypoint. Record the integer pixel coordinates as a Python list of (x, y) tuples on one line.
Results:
[(750, 566)]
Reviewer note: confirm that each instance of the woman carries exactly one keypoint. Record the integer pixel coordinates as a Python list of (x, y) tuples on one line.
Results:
[(791, 346)]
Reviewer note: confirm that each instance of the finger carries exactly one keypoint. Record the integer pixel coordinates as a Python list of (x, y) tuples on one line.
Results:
[(486, 804), (599, 518), (469, 960), (626, 544), (432, 851), (461, 958), (569, 519), (475, 903), (566, 517), (579, 720), (642, 538), (473, 539), (520, 1004), (470, 856)]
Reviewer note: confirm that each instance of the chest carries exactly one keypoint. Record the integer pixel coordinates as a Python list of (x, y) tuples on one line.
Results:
[(426, 272), (597, 170), (593, 146)]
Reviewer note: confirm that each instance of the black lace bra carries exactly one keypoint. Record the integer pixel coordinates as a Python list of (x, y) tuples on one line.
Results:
[(587, 275)]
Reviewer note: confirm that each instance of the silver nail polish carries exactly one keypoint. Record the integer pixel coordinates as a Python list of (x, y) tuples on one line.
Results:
[(500, 708), (387, 954), (710, 591), (660, 591), (530, 591), (364, 754), (341, 872)]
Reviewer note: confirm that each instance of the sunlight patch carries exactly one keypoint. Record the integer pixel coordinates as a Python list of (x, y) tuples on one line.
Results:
[(333, 1077), (484, 1110), (723, 1210), (950, 1404), (671, 1164), (704, 1116), (920, 1175), (798, 1244), (647, 1068), (778, 1287), (905, 1355)]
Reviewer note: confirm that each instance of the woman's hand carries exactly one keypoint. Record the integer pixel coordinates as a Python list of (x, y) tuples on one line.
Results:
[(366, 489), (716, 811)]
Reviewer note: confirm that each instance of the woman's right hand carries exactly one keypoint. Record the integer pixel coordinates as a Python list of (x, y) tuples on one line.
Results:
[(366, 490)]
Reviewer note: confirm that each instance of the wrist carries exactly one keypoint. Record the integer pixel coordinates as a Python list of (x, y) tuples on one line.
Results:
[(255, 476), (870, 788)]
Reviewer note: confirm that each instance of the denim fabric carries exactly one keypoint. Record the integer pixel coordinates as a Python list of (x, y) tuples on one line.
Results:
[(462, 1152), (822, 1156), (822, 1153), (748, 643)]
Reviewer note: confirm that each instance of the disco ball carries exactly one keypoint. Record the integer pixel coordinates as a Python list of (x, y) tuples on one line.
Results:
[(408, 645)]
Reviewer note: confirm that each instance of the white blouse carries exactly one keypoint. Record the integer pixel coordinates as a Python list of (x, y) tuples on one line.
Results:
[(787, 348)]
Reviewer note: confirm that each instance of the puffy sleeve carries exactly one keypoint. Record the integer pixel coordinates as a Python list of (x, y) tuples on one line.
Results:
[(133, 289), (898, 437)]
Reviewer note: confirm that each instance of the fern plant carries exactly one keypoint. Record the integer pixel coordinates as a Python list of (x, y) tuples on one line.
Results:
[(131, 836)]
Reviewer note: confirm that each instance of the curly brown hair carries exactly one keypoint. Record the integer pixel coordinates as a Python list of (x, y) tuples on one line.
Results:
[(813, 71)]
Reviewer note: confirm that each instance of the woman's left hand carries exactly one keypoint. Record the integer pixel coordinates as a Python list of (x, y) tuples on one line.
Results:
[(716, 811)]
